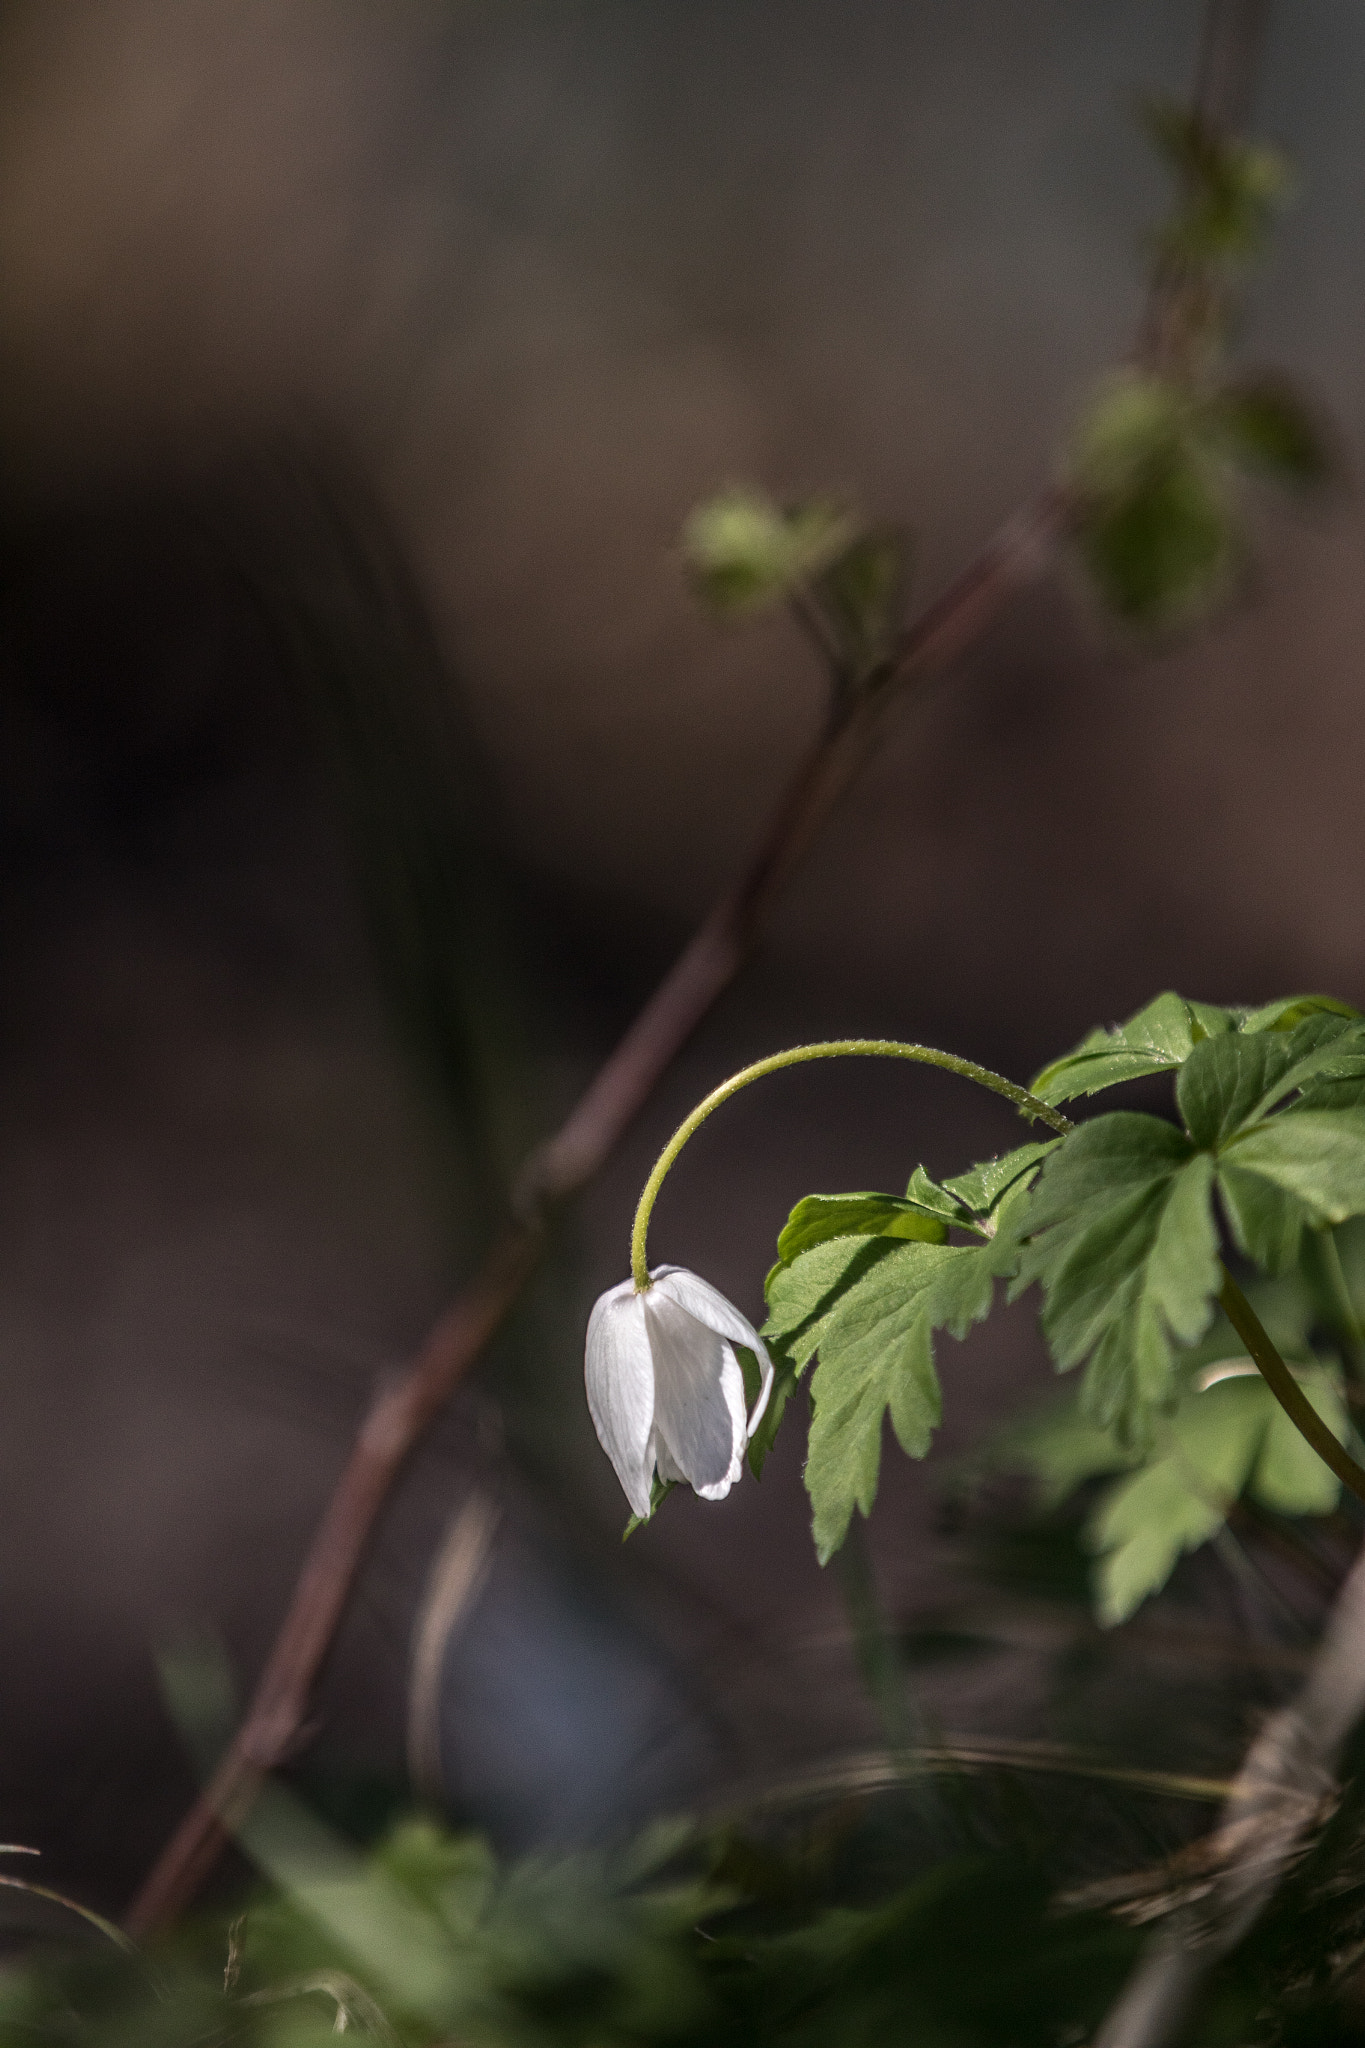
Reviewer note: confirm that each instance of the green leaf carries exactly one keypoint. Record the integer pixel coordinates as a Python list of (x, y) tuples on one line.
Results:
[(863, 593), (1316, 1155), (1162, 550), (1133, 420), (1287, 1011), (1265, 425), (817, 1218), (1230, 189), (1266, 1223), (1180, 1497), (1224, 1079), (1159, 1037), (1232, 1082), (983, 1188), (1119, 1232), (870, 1309), (744, 552)]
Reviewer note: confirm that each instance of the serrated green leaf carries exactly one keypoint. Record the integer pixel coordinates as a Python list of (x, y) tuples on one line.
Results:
[(1180, 1497), (1225, 1078), (1159, 1037), (743, 551), (1266, 425), (983, 1188), (1287, 1011), (800, 1295), (1267, 1224), (1318, 1156), (1232, 1082), (1120, 1234), (872, 1319), (936, 1200), (817, 1218)]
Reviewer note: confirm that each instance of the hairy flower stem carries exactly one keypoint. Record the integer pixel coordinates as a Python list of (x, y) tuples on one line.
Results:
[(1027, 1105)]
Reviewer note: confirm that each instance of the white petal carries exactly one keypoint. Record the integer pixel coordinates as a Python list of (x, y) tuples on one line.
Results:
[(698, 1396), (710, 1306), (618, 1372)]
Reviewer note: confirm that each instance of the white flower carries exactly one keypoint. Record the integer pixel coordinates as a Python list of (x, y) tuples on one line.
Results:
[(665, 1388)]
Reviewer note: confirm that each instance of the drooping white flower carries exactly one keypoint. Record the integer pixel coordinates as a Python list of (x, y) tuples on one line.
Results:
[(664, 1385)]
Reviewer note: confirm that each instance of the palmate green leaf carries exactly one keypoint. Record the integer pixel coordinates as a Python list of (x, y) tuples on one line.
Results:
[(870, 1308), (1119, 1232), (1231, 1082)]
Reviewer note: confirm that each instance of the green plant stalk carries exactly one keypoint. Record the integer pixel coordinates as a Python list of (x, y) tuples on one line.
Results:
[(1286, 1388), (1027, 1105)]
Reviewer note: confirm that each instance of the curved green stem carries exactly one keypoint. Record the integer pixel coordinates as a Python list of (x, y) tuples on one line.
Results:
[(1286, 1388), (829, 1049)]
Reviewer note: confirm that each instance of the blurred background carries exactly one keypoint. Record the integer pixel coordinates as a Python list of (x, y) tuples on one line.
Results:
[(365, 760)]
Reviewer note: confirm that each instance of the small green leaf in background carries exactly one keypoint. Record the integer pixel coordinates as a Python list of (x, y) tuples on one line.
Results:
[(1119, 1232), (863, 594), (743, 551), (1163, 550), (1230, 189), (1265, 426)]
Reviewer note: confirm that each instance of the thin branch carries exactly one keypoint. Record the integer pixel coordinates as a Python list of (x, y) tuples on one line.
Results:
[(1281, 1793), (1017, 556)]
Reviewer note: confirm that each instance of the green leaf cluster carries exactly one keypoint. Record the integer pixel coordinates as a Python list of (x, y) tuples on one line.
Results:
[(1121, 1232), (1120, 1224)]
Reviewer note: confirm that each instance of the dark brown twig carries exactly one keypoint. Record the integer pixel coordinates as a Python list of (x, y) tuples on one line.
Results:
[(1017, 556)]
